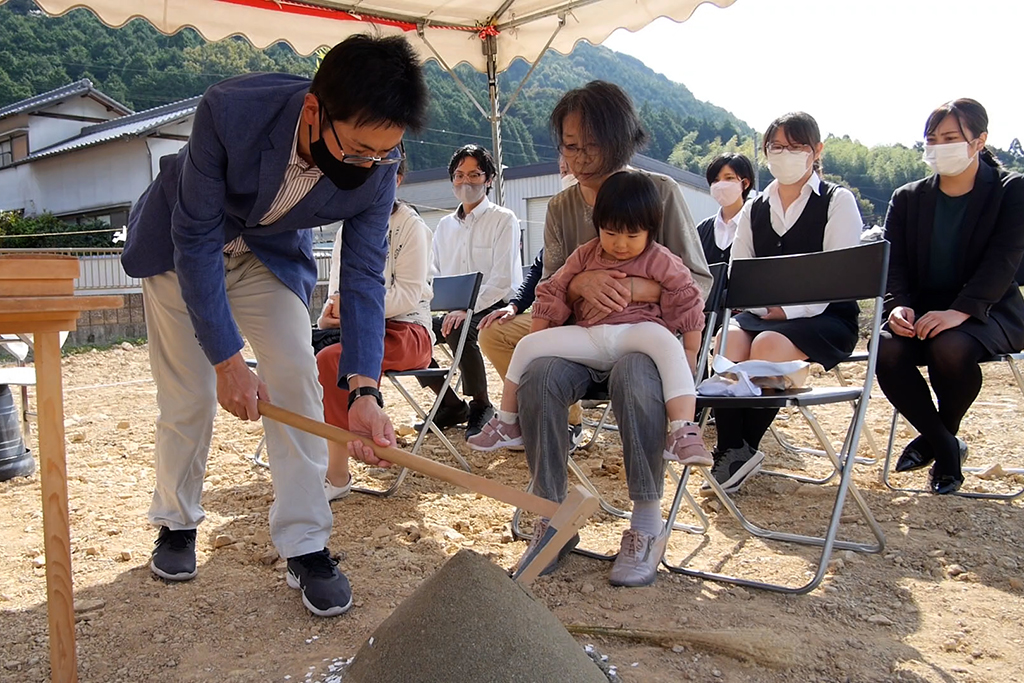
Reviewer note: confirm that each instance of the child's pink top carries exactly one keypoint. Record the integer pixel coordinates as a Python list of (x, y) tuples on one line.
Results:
[(681, 308)]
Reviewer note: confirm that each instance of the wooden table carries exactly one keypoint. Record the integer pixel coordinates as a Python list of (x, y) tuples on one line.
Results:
[(37, 297)]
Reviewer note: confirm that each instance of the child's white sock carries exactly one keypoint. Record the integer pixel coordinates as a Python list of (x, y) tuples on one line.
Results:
[(507, 417), (679, 424), (646, 517)]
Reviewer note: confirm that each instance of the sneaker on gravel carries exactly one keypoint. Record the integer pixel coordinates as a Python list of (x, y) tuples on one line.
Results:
[(638, 559), (479, 414), (496, 434), (448, 416), (174, 557), (540, 527), (325, 590), (733, 468), (686, 447), (337, 492), (575, 436)]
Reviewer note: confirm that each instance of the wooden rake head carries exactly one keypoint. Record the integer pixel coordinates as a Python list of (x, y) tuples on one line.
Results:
[(566, 519)]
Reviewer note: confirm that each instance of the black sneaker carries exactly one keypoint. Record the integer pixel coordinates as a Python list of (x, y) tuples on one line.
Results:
[(448, 416), (479, 414), (325, 590), (733, 468), (575, 436), (174, 557)]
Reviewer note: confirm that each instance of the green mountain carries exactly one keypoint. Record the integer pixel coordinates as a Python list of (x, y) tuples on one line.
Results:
[(139, 66)]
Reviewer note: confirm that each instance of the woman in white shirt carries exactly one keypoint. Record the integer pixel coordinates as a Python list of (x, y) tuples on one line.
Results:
[(798, 213), (731, 177), (408, 339)]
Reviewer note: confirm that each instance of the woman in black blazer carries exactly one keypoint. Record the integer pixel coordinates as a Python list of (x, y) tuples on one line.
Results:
[(957, 239)]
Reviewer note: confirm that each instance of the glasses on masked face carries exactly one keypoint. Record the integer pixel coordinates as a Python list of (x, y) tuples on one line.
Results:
[(358, 160), (475, 178), (776, 148)]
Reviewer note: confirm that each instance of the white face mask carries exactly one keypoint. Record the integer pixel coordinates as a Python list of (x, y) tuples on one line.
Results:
[(727, 192), (952, 158), (789, 167), (568, 180), (468, 193)]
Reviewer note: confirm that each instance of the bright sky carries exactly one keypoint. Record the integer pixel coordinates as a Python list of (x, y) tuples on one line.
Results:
[(870, 69)]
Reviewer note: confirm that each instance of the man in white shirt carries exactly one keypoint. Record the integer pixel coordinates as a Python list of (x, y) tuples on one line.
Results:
[(477, 237)]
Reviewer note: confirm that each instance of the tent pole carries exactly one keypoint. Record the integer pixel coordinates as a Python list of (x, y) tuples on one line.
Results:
[(490, 45)]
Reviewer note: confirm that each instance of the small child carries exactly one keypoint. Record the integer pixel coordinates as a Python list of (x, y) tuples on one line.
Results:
[(627, 215)]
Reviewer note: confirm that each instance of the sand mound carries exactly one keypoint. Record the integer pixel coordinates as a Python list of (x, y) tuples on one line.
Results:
[(471, 623)]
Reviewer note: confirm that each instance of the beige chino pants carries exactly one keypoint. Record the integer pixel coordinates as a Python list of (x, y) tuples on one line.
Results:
[(276, 324)]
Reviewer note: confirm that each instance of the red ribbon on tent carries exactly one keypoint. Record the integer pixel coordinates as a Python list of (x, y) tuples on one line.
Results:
[(301, 8)]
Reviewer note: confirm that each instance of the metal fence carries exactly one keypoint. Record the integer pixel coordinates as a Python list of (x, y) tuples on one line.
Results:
[(100, 269)]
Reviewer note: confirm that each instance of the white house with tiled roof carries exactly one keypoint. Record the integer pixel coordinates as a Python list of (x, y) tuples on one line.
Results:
[(79, 154)]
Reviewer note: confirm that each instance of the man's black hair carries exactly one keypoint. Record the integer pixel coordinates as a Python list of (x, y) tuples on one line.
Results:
[(367, 80)]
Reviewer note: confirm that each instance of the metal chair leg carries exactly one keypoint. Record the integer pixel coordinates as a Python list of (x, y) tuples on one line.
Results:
[(827, 542)]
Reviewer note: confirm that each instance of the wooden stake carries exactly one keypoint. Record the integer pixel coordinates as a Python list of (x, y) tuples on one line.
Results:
[(60, 603)]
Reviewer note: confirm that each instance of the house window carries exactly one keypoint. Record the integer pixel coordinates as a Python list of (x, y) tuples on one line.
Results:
[(13, 148)]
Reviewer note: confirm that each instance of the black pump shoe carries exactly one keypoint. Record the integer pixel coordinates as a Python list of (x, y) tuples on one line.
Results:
[(946, 483), (913, 459)]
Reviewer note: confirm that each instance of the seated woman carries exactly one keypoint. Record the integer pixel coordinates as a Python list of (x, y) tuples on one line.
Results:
[(957, 239), (798, 213), (731, 177), (408, 339)]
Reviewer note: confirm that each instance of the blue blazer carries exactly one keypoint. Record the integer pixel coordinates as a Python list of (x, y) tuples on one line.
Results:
[(219, 186)]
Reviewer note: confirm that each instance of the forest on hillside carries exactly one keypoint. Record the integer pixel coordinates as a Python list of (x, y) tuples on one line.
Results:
[(142, 68)]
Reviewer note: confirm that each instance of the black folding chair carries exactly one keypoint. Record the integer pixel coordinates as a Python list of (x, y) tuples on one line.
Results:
[(841, 275), (451, 293), (1011, 360)]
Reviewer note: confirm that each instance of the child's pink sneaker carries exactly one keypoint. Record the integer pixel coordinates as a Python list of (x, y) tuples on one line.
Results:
[(496, 434), (686, 447)]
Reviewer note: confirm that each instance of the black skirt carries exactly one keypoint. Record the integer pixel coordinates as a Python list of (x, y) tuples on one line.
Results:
[(828, 338), (997, 334)]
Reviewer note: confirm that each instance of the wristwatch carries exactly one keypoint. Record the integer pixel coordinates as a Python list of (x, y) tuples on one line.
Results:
[(365, 391)]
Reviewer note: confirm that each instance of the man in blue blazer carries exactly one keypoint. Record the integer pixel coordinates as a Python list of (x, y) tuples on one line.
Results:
[(221, 239)]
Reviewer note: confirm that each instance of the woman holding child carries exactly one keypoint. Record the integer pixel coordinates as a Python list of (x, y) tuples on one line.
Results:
[(957, 239), (597, 130)]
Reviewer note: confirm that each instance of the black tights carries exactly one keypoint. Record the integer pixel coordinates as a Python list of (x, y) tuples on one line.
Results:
[(736, 426), (952, 358)]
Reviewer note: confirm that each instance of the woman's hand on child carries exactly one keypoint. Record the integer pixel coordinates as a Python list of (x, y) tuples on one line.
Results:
[(499, 316), (605, 290), (901, 321), (933, 323), (329, 316), (451, 321)]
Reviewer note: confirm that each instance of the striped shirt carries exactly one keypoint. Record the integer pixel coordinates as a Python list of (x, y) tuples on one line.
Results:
[(299, 179)]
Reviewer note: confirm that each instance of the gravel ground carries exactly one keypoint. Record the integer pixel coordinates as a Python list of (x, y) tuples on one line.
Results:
[(943, 602)]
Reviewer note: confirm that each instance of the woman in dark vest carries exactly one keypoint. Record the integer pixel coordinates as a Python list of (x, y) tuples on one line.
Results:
[(731, 177), (798, 213), (957, 239)]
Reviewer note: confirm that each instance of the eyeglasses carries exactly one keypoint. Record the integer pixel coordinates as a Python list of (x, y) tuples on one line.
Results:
[(775, 148), (475, 177), (590, 150), (358, 160)]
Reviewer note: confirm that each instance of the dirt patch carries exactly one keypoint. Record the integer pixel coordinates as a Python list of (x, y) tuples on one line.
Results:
[(943, 602)]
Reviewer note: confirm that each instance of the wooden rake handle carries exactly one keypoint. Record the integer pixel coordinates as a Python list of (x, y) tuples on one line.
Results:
[(467, 480)]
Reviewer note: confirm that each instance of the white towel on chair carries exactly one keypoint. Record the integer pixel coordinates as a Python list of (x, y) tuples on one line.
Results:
[(747, 378)]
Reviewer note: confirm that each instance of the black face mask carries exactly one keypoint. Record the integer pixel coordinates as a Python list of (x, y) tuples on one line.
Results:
[(344, 176)]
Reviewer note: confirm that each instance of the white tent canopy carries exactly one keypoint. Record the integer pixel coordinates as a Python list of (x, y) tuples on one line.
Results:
[(486, 34)]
